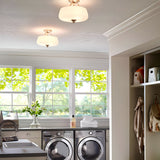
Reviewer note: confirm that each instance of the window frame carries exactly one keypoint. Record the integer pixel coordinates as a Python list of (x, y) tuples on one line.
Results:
[(52, 91), (94, 93), (19, 92), (72, 93)]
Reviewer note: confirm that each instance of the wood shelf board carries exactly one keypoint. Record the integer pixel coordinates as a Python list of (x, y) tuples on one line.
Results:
[(146, 84), (137, 85)]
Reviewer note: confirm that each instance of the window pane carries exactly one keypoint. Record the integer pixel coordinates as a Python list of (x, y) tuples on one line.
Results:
[(18, 108), (14, 79), (99, 75), (20, 99), (48, 111), (61, 111), (5, 108), (44, 86), (82, 75), (99, 111), (61, 99), (99, 100), (44, 74), (99, 87), (20, 86), (82, 87), (44, 99), (5, 73), (5, 99), (5, 85), (61, 74), (59, 86), (20, 74), (83, 99), (83, 110)]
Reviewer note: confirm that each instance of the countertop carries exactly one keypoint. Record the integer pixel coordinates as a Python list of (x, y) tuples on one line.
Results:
[(22, 152), (56, 128)]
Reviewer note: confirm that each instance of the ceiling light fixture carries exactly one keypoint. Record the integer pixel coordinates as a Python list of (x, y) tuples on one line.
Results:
[(47, 39), (73, 13)]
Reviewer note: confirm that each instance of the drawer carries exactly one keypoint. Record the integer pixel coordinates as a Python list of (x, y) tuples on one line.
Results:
[(28, 134)]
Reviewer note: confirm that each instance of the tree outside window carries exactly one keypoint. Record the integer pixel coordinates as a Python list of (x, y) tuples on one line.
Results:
[(52, 91)]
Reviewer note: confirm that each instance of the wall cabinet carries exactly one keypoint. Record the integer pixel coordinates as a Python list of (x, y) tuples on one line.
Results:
[(147, 90)]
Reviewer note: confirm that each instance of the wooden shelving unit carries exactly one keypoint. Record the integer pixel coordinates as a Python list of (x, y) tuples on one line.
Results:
[(147, 90)]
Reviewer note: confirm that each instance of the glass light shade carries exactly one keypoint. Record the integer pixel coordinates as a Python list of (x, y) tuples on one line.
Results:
[(47, 41), (73, 14)]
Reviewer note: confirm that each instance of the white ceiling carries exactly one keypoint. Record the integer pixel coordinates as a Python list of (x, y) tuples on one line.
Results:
[(21, 21)]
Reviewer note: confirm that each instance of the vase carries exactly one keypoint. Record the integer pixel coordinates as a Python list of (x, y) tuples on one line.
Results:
[(35, 123)]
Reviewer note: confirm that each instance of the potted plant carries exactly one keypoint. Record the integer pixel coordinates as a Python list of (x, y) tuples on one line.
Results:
[(35, 110)]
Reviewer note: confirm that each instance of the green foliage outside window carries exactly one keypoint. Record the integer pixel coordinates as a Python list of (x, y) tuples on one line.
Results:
[(50, 81)]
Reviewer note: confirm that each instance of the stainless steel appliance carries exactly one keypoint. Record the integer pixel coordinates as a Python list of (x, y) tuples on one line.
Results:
[(59, 144), (90, 145)]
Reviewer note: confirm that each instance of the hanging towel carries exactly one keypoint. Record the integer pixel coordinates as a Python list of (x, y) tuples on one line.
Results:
[(139, 124)]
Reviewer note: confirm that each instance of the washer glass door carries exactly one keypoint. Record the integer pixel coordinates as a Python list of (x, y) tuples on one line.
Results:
[(90, 148), (59, 149)]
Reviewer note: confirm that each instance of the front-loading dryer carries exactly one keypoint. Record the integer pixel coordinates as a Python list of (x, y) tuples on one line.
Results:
[(90, 145), (58, 145)]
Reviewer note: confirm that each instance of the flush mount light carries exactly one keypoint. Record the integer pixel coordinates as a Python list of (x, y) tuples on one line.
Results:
[(47, 39), (73, 13)]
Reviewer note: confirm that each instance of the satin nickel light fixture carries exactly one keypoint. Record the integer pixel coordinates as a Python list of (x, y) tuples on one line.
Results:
[(73, 13), (47, 39)]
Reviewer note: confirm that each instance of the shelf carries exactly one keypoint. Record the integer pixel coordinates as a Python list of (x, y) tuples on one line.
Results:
[(137, 85), (145, 84), (152, 83)]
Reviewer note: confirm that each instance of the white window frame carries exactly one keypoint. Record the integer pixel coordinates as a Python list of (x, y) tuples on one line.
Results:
[(93, 93), (18, 92), (32, 90), (51, 92)]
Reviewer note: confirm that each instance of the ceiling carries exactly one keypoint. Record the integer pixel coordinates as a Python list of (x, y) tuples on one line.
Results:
[(23, 20)]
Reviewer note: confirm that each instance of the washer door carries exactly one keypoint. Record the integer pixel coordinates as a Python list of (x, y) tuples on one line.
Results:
[(90, 148), (59, 149)]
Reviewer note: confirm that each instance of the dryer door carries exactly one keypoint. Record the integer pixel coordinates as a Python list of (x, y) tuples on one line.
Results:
[(90, 148), (59, 149)]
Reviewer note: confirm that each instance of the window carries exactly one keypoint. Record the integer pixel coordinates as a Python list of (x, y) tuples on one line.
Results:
[(52, 91), (14, 88), (91, 92)]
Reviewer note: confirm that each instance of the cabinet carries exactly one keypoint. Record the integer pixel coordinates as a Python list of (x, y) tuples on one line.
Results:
[(147, 90), (24, 158), (33, 136)]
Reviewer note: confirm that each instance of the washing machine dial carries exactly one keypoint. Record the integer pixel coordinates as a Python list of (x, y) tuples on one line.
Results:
[(90, 132), (58, 133)]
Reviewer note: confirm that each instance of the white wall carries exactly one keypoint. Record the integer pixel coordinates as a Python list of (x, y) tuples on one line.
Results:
[(119, 119), (45, 60)]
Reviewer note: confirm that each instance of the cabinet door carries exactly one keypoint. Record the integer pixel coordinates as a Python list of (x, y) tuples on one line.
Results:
[(24, 158), (33, 136)]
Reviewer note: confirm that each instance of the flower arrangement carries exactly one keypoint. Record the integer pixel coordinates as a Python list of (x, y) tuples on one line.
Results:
[(34, 110)]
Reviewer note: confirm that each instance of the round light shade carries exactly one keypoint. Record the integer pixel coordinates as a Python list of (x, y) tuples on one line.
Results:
[(47, 41), (73, 14)]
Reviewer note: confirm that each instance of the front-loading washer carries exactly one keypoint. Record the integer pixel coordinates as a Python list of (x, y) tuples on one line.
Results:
[(58, 144), (90, 144)]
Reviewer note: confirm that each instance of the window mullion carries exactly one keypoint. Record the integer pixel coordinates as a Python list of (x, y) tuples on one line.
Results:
[(12, 90), (72, 92), (52, 96), (32, 92)]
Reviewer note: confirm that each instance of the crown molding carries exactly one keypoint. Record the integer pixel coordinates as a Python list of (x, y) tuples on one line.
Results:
[(135, 20)]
